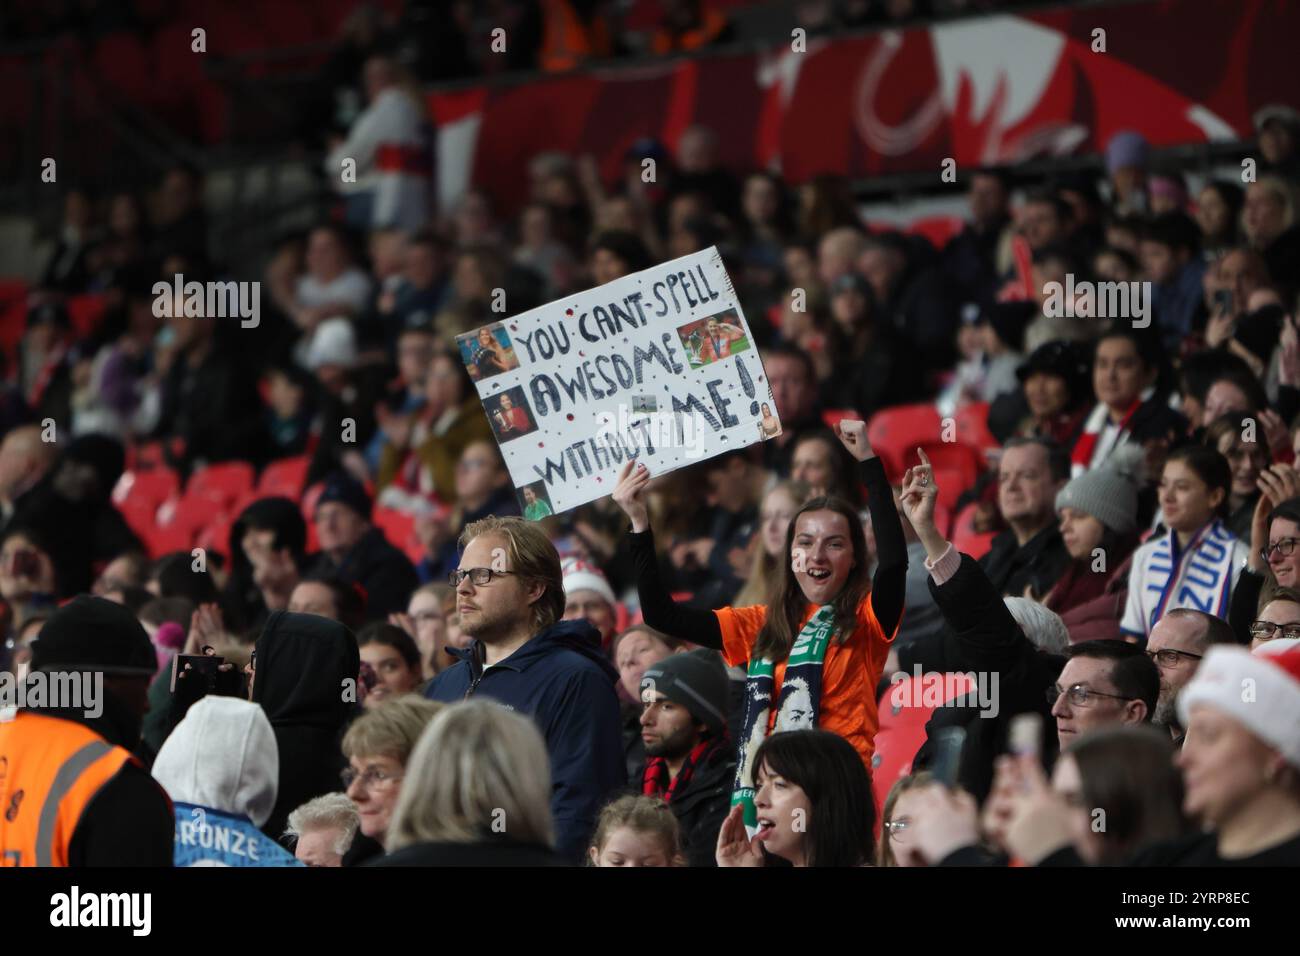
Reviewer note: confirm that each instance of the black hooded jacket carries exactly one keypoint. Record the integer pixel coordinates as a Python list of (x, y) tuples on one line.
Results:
[(384, 572), (304, 665)]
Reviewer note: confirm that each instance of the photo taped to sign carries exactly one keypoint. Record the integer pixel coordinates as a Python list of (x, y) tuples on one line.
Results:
[(612, 373), (487, 351)]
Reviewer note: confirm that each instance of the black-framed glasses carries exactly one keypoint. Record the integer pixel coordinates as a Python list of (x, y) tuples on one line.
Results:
[(1267, 630), (480, 576), (1079, 695), (1168, 657), (898, 829), (1285, 547)]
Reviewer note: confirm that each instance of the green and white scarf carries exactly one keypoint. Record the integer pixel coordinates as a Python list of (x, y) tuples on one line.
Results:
[(796, 706)]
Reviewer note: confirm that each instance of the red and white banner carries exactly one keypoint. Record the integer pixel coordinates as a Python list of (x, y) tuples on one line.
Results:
[(979, 90)]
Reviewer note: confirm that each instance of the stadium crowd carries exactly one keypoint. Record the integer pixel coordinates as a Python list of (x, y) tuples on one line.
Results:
[(1095, 515)]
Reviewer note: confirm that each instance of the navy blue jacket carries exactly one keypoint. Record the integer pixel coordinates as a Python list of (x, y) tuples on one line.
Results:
[(561, 679)]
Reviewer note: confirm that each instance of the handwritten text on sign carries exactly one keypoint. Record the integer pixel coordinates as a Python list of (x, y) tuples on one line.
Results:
[(658, 365)]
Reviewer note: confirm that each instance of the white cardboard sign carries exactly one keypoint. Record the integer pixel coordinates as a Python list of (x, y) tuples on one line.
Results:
[(658, 365)]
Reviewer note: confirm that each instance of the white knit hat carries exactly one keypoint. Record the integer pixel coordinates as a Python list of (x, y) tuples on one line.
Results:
[(1262, 691), (580, 575)]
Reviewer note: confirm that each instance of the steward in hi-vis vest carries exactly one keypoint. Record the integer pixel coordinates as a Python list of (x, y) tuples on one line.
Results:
[(71, 791)]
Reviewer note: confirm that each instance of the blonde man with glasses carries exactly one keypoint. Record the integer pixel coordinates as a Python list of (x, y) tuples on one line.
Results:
[(510, 601)]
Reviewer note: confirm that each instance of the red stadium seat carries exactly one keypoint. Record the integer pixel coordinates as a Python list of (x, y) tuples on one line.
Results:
[(214, 537), (13, 313), (284, 478), (86, 312), (399, 528), (905, 708), (972, 423), (965, 461), (894, 432), (833, 416), (308, 506), (146, 488), (224, 482), (964, 537)]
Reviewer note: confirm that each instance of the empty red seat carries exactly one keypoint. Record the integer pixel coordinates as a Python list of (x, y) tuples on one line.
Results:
[(833, 416), (214, 537), (905, 709), (896, 432), (225, 482), (972, 426), (285, 478), (146, 488), (86, 312), (399, 528), (965, 538)]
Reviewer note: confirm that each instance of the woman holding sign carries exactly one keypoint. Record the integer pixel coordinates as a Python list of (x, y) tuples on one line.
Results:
[(815, 650)]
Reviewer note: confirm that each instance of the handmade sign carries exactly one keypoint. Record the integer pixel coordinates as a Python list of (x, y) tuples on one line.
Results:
[(658, 366)]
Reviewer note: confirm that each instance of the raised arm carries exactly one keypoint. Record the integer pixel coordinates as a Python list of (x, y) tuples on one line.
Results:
[(987, 636), (658, 608), (888, 585)]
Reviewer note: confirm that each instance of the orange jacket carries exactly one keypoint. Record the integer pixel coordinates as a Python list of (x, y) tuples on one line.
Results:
[(849, 674), (50, 770)]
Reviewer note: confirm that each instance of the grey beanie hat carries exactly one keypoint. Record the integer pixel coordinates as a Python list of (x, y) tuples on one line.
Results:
[(697, 680), (1109, 493)]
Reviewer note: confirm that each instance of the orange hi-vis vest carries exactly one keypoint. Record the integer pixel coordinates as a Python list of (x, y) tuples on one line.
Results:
[(50, 770)]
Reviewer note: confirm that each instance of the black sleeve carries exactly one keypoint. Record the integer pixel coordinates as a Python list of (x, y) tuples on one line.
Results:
[(658, 608), (1288, 402), (128, 823), (1244, 604), (889, 583), (986, 636)]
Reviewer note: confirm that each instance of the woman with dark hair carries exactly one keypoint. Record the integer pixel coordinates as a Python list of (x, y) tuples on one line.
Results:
[(815, 649), (391, 655), (1127, 378), (813, 801), (1247, 459), (1218, 209), (1121, 777), (1112, 793), (820, 463), (1197, 561)]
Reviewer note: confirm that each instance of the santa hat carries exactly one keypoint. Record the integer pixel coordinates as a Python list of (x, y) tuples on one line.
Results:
[(1261, 690), (580, 575)]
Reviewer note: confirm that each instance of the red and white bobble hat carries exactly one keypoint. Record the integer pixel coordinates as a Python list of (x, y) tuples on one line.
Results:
[(1261, 690), (580, 575)]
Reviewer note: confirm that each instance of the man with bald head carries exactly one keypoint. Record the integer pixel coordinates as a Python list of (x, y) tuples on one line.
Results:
[(1176, 645), (24, 461)]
